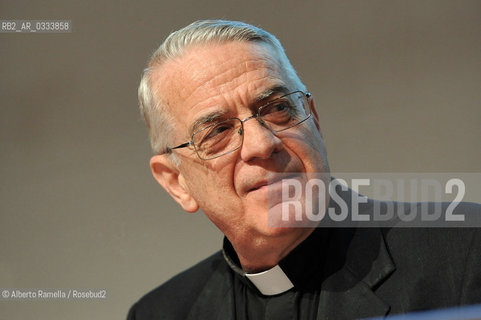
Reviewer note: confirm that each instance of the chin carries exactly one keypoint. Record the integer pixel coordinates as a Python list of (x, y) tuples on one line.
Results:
[(280, 229)]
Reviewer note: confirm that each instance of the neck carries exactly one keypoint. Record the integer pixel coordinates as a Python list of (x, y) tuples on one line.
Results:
[(264, 253)]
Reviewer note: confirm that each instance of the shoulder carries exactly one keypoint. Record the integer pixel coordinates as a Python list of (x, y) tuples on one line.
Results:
[(455, 225), (174, 298), (430, 242), (447, 240), (434, 267), (438, 253)]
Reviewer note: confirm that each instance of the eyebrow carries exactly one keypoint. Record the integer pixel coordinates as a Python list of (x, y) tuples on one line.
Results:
[(270, 92), (216, 116)]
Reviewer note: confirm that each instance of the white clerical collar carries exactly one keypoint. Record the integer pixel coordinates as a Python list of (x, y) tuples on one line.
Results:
[(270, 282)]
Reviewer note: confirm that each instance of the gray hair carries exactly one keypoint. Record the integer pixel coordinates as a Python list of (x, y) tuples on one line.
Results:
[(157, 117)]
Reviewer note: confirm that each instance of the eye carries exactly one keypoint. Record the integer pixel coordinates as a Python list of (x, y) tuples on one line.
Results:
[(217, 130), (279, 112), (218, 137), (215, 133), (281, 106)]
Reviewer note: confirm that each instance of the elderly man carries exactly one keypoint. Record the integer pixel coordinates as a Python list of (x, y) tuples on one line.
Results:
[(228, 118)]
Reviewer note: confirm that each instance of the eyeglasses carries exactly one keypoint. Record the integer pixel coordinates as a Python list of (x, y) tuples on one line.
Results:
[(224, 137)]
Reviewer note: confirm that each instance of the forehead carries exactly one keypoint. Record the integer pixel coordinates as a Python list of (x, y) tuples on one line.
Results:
[(217, 74)]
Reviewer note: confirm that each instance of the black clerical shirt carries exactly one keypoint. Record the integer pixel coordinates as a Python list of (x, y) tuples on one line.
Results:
[(336, 273), (304, 268)]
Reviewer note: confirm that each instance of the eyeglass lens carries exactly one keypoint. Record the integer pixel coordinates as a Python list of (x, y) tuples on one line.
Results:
[(226, 136)]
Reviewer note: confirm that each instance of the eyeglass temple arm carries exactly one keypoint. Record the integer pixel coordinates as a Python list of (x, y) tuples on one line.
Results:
[(168, 150)]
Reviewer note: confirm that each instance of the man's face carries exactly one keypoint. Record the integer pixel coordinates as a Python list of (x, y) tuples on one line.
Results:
[(227, 80)]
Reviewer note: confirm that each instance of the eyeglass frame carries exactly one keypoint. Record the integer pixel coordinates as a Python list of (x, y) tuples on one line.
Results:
[(256, 116)]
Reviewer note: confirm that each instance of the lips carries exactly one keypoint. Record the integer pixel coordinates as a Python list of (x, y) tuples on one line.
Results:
[(258, 185), (275, 178), (262, 175)]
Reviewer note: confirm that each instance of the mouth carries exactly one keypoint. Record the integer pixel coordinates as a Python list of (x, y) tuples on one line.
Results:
[(258, 185), (270, 183)]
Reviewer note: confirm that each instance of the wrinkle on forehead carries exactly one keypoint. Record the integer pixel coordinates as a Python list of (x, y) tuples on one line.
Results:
[(229, 77), (206, 71)]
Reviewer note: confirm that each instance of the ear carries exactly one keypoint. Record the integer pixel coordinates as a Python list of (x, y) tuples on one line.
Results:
[(169, 177), (315, 115)]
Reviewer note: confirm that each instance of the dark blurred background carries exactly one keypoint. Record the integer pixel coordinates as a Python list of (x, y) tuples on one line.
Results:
[(397, 86)]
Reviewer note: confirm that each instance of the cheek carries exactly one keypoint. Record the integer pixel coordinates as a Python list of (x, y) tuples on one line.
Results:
[(212, 184), (217, 198), (309, 149)]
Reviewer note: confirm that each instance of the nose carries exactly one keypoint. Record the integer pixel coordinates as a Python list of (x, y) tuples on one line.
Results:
[(259, 142)]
